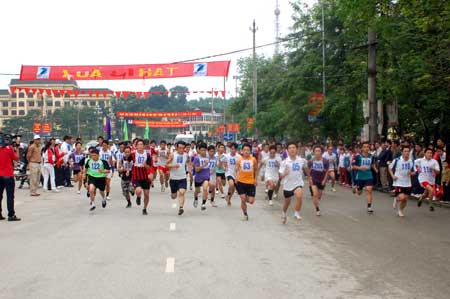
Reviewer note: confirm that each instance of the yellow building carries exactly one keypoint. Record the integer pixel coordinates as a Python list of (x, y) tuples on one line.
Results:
[(20, 103)]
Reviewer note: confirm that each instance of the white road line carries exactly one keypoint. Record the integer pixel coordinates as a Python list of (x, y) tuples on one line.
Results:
[(173, 226), (174, 205), (170, 265), (353, 218)]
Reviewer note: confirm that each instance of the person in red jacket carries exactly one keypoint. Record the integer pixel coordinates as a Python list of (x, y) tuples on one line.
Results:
[(8, 155)]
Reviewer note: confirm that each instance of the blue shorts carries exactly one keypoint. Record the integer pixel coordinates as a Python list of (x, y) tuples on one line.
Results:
[(360, 184)]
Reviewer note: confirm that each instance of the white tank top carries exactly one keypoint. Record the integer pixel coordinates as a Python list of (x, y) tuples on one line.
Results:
[(140, 159), (180, 172)]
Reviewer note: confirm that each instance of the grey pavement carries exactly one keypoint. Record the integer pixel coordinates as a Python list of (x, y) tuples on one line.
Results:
[(61, 250)]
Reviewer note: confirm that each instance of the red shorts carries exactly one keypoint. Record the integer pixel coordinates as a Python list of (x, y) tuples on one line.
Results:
[(426, 184), (163, 169)]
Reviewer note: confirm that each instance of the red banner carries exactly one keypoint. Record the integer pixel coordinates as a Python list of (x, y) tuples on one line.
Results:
[(160, 124), (158, 114), (41, 128), (235, 128), (124, 72), (316, 100), (250, 122)]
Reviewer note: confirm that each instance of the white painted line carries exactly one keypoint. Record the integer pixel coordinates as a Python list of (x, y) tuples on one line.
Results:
[(353, 218), (170, 265), (174, 205), (173, 226)]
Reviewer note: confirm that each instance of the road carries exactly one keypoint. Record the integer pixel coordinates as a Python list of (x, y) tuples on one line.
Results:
[(60, 250)]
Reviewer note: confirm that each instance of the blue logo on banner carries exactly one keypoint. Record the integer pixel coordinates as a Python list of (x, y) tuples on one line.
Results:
[(43, 72), (200, 69)]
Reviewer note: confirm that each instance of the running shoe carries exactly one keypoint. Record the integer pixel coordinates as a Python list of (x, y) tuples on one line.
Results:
[(223, 195), (195, 203), (203, 206), (275, 196), (88, 195), (190, 188), (419, 202), (245, 218), (266, 190), (180, 211), (138, 201), (283, 218), (297, 216), (228, 199), (128, 204), (400, 213), (55, 191), (270, 203), (104, 203), (162, 188), (431, 209), (108, 198), (78, 192), (144, 212), (318, 213), (217, 191), (370, 210), (333, 189), (167, 185), (213, 204), (92, 206)]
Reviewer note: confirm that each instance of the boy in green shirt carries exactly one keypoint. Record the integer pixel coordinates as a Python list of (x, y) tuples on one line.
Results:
[(96, 171)]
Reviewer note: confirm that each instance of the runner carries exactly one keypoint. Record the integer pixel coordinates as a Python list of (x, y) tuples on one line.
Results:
[(246, 176), (291, 174), (401, 170), (96, 171), (428, 168), (192, 155), (164, 172), (332, 161), (75, 159), (107, 155), (202, 175), (263, 156), (220, 168), (212, 177), (151, 149), (363, 165), (125, 173), (142, 174), (177, 163), (230, 171), (272, 166), (319, 167)]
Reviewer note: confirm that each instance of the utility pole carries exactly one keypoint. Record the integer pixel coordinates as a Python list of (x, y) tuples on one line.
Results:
[(371, 85), (224, 107), (323, 52), (254, 83)]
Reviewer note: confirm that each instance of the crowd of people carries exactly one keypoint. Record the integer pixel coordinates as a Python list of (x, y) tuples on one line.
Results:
[(223, 169)]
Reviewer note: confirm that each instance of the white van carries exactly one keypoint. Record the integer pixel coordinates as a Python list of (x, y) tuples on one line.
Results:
[(188, 138)]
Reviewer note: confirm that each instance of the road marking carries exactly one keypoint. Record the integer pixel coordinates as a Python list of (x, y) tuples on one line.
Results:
[(173, 226), (170, 265), (174, 205), (352, 218)]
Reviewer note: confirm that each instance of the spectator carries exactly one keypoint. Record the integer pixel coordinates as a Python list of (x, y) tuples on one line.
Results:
[(8, 154), (59, 171), (66, 171), (384, 158), (34, 159), (48, 170), (445, 180)]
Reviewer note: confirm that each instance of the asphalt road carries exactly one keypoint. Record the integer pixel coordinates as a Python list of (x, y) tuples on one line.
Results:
[(61, 250)]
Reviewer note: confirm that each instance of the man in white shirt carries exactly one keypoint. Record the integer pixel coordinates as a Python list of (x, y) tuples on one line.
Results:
[(401, 170), (428, 168), (332, 160)]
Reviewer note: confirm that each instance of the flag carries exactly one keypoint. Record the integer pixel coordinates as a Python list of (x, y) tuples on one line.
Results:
[(125, 130), (147, 131), (108, 129)]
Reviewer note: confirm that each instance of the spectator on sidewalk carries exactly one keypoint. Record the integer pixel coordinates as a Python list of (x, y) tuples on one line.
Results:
[(34, 159), (445, 180), (66, 149), (384, 158), (8, 154)]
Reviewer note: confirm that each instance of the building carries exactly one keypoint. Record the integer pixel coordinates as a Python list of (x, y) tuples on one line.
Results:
[(28, 97), (208, 122)]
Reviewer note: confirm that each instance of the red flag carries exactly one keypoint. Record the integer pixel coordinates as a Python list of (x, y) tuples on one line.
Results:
[(33, 90), (76, 91), (223, 93), (104, 93), (118, 93), (27, 91), (41, 91), (69, 93), (146, 94), (61, 93), (125, 95), (13, 89), (97, 93), (216, 93), (90, 93)]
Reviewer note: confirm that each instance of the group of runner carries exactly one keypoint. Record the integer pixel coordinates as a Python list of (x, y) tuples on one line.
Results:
[(209, 168)]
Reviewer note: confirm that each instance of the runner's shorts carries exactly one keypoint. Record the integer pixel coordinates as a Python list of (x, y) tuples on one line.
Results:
[(199, 184), (247, 189), (360, 184), (221, 175), (163, 169), (99, 183), (144, 184), (176, 185), (290, 193), (404, 190)]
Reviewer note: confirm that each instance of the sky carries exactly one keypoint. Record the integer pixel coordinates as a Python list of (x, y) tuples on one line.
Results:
[(86, 32)]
